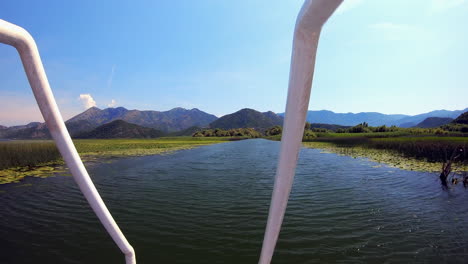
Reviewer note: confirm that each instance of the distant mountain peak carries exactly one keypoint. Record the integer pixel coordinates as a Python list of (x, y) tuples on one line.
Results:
[(93, 108), (117, 108), (178, 109), (248, 118), (32, 124)]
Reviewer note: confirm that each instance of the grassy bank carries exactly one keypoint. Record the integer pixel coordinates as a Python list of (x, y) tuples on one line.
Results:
[(41, 158), (27, 153), (422, 153)]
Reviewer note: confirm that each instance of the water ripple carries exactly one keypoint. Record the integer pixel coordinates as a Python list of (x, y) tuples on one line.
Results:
[(209, 205)]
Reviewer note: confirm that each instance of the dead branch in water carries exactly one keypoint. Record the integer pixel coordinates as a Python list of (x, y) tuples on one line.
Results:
[(447, 169)]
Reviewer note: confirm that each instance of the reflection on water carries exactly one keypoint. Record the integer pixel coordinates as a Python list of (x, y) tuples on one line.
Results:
[(209, 205)]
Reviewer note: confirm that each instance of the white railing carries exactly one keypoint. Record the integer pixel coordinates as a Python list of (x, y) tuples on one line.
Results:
[(312, 17), (23, 42)]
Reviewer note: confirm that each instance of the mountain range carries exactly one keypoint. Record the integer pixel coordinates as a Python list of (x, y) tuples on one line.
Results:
[(173, 120), (180, 121), (375, 119)]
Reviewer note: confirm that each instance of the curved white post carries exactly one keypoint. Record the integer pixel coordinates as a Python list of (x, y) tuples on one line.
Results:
[(23, 42), (313, 15)]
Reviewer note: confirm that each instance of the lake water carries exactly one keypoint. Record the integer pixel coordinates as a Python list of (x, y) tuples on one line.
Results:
[(210, 204)]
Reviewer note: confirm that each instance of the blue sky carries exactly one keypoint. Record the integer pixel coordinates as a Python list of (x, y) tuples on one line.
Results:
[(389, 56)]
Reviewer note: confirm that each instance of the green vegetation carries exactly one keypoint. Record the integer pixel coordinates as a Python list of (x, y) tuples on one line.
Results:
[(238, 132), (429, 148), (389, 157), (27, 154), (139, 147), (19, 159), (273, 131), (325, 127), (184, 133), (407, 148), (365, 128), (460, 124)]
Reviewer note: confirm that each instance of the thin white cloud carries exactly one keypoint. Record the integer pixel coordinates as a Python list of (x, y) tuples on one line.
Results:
[(111, 77), (348, 5), (392, 31), (87, 100), (113, 103), (442, 5)]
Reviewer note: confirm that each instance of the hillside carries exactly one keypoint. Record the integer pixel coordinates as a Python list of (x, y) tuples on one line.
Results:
[(431, 122), (121, 129), (248, 118), (462, 119), (173, 120), (186, 132)]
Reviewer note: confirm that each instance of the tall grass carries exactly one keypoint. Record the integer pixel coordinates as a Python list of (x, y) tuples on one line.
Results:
[(432, 149), (27, 153)]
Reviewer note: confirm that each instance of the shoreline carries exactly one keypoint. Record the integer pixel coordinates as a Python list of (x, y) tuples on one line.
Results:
[(96, 150), (384, 156), (106, 150)]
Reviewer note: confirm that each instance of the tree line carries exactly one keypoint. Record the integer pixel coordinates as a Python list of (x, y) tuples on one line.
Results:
[(237, 132)]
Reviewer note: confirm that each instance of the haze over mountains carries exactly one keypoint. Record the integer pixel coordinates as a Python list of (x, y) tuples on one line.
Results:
[(376, 119), (180, 121)]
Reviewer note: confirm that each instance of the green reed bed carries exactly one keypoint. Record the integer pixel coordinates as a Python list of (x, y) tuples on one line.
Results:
[(432, 149), (410, 153), (19, 159), (41, 158), (139, 147), (27, 153)]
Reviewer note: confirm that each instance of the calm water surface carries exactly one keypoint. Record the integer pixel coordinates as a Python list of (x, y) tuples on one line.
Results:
[(210, 204)]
